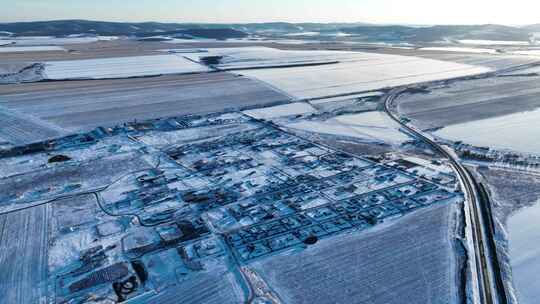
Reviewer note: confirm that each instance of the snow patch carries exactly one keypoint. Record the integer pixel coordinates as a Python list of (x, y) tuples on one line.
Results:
[(460, 49), (493, 42), (298, 108), (369, 126), (121, 67), (24, 49), (47, 40)]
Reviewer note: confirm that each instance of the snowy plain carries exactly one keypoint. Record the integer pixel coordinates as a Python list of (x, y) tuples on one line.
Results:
[(23, 49), (298, 108), (263, 57), (45, 40), (351, 72), (368, 126), (410, 261), (121, 67), (493, 42), (460, 49), (535, 52)]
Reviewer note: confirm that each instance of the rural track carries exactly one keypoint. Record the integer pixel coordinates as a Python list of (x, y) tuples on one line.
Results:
[(487, 268)]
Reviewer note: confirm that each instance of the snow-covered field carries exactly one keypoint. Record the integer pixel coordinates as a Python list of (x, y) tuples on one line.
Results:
[(369, 126), (298, 108), (88, 176), (240, 40), (535, 52), (23, 49), (515, 131), (18, 128), (343, 98), (44, 40), (121, 67), (411, 261), (88, 104), (259, 57), (23, 258), (524, 237), (6, 42), (493, 42), (303, 34), (355, 72), (215, 286), (460, 49)]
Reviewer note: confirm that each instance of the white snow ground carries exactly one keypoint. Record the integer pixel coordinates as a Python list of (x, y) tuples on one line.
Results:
[(121, 67), (535, 52), (356, 72), (259, 57), (298, 108), (409, 261), (493, 42), (44, 40), (24, 49), (343, 98), (460, 49), (369, 126), (240, 40), (6, 42)]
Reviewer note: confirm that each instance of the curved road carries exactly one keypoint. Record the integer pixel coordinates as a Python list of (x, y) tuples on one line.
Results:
[(490, 292)]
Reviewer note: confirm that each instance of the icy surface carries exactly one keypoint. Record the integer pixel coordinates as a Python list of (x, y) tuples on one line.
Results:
[(23, 49), (121, 67), (515, 131), (524, 235), (472, 100), (411, 261), (297, 108)]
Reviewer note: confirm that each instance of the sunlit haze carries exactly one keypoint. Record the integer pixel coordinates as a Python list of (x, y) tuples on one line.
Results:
[(229, 11)]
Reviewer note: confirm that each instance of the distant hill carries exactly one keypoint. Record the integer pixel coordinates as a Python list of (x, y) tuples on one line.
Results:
[(74, 27), (360, 31), (71, 27), (441, 32), (533, 28), (284, 27)]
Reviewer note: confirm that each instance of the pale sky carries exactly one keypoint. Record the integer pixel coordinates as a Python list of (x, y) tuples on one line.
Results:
[(230, 11)]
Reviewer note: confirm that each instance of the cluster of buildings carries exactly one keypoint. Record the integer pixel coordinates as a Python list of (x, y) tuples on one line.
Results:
[(222, 186)]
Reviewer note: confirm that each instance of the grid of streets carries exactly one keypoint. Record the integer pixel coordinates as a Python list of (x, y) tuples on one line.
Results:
[(172, 194)]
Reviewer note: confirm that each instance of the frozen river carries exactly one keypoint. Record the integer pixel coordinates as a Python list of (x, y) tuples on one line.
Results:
[(516, 132), (524, 235)]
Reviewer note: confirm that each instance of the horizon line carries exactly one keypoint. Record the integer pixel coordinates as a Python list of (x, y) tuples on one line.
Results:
[(267, 22)]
